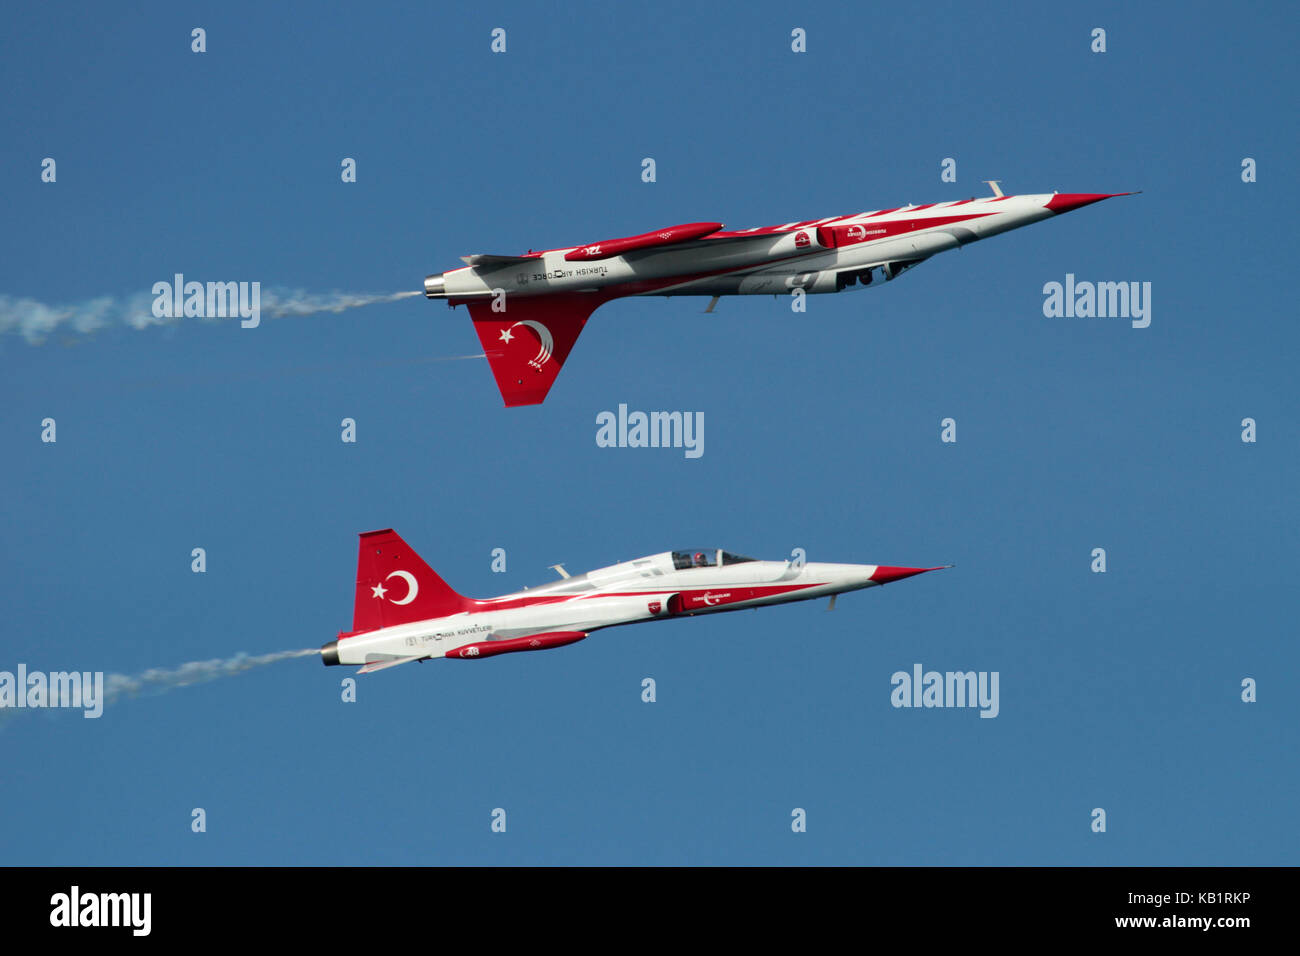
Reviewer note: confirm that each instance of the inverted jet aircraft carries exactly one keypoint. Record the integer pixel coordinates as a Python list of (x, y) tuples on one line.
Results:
[(529, 310), (405, 612)]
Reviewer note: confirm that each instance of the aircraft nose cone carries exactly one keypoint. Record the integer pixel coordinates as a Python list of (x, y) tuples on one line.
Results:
[(1064, 202), (886, 573)]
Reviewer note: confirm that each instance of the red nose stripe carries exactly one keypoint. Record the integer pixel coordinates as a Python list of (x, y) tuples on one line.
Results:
[(1064, 202), (884, 573)]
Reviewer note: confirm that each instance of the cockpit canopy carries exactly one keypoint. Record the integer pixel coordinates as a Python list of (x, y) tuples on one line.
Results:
[(711, 558)]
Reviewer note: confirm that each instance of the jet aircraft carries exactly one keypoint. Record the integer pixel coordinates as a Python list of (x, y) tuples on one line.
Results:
[(529, 310), (405, 612)]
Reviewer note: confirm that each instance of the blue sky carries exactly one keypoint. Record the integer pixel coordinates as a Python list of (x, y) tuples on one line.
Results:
[(1118, 690)]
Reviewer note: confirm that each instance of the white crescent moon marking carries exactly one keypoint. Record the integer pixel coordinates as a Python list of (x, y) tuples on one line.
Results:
[(548, 344), (412, 585)]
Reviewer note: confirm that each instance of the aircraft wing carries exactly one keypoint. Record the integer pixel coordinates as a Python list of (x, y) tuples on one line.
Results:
[(527, 344), (487, 260)]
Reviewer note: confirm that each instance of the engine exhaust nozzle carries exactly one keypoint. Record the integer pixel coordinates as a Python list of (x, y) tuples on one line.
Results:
[(434, 287), (329, 653)]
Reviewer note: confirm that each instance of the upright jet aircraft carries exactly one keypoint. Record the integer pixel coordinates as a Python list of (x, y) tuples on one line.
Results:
[(529, 310), (404, 612)]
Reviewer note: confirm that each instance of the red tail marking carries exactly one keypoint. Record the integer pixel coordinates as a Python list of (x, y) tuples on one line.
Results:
[(395, 586), (527, 344)]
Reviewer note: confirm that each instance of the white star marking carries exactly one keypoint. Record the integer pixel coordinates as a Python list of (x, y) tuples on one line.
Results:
[(379, 590), (506, 336)]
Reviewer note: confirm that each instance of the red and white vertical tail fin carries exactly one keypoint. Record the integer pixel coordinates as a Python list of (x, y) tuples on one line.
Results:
[(527, 343), (395, 586)]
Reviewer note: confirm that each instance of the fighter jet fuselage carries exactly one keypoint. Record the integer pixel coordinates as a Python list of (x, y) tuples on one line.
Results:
[(529, 310), (405, 612)]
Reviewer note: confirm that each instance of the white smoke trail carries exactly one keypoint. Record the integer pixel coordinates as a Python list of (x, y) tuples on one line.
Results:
[(280, 302), (159, 680), (35, 320)]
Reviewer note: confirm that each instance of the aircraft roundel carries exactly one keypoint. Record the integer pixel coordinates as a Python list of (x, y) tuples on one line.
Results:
[(412, 586)]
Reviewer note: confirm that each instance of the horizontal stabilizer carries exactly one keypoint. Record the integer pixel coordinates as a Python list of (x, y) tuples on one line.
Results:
[(381, 665)]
